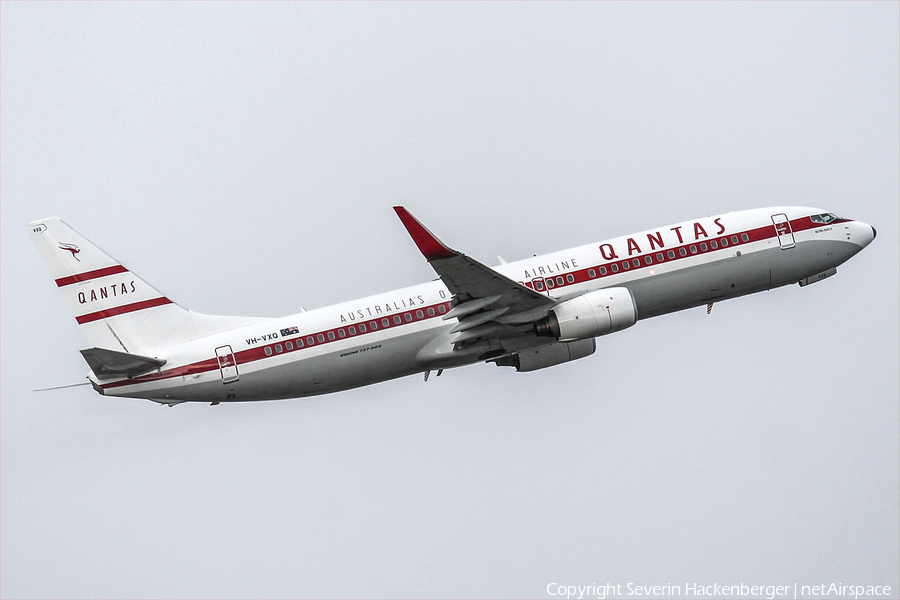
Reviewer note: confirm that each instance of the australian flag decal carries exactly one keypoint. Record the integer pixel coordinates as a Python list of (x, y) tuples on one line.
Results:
[(289, 331)]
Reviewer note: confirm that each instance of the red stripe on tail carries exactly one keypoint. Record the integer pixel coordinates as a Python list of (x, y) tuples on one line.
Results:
[(120, 310), (63, 281)]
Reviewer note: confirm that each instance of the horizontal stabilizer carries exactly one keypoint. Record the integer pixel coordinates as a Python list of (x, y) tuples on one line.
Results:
[(108, 364)]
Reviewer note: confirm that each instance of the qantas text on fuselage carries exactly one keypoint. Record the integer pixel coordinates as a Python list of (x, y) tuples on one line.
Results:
[(529, 314)]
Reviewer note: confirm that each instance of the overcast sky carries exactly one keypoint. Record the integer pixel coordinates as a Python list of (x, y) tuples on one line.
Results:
[(243, 159)]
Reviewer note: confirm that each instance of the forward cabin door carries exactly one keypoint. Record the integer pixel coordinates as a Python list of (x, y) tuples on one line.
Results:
[(784, 231), (227, 364)]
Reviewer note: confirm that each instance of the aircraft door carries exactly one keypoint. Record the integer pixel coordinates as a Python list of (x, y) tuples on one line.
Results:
[(227, 364), (784, 231)]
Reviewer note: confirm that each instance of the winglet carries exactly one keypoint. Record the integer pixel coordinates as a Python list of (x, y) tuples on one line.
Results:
[(428, 244)]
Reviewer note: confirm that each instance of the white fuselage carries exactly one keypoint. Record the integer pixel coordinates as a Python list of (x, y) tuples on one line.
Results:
[(402, 332)]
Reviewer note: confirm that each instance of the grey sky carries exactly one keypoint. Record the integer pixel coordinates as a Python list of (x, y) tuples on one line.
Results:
[(243, 159)]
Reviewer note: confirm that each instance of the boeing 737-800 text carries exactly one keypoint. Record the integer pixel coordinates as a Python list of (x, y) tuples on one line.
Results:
[(529, 314)]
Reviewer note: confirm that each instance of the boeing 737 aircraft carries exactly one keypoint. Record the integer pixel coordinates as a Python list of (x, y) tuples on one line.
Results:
[(530, 314)]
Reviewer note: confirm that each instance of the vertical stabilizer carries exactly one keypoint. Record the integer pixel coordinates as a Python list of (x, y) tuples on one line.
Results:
[(115, 308)]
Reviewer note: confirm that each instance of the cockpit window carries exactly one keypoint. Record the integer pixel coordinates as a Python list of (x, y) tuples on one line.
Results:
[(824, 218)]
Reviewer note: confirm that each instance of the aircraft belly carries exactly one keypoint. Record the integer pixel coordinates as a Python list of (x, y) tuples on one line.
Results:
[(343, 369), (396, 357), (736, 276), (811, 257)]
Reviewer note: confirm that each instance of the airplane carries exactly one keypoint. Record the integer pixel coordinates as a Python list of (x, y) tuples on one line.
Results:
[(529, 314)]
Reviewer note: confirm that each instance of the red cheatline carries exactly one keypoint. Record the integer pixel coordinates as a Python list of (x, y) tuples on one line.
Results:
[(120, 310), (63, 281), (250, 355)]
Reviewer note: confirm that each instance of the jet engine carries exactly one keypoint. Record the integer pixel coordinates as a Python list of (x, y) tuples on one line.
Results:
[(554, 353), (595, 313)]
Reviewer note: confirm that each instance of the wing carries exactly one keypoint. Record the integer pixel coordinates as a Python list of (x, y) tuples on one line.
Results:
[(487, 304)]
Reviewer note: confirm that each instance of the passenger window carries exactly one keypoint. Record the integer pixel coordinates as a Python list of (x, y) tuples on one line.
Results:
[(321, 338), (310, 340), (420, 314), (693, 249), (278, 348), (626, 265), (362, 327), (671, 253), (603, 270), (745, 237), (352, 330), (408, 317), (703, 247), (550, 283), (373, 325), (430, 312), (570, 278), (648, 260), (592, 273), (713, 245), (559, 281), (442, 309), (614, 267), (268, 351), (539, 286), (289, 346), (385, 323), (659, 257), (396, 319), (299, 343), (330, 335), (734, 239), (342, 333), (724, 242)]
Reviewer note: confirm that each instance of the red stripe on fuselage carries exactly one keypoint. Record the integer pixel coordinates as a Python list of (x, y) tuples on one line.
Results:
[(63, 281), (582, 275), (121, 310), (299, 342)]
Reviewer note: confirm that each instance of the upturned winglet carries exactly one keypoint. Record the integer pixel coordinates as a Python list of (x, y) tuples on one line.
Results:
[(431, 247)]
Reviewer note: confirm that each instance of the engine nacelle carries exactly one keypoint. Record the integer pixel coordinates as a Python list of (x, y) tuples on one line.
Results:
[(595, 313), (547, 356)]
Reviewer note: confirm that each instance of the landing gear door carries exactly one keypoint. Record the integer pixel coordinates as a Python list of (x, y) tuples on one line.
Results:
[(227, 364), (784, 231)]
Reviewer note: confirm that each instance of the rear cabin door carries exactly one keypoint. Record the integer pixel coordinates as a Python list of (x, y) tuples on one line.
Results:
[(227, 364), (784, 231)]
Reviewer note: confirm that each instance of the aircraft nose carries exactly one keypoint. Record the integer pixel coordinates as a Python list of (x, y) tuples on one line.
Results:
[(865, 234)]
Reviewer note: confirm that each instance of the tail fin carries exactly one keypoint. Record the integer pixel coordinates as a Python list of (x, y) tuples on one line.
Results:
[(115, 308)]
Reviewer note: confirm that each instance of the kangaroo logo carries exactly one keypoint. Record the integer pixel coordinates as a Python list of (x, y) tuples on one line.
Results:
[(71, 248)]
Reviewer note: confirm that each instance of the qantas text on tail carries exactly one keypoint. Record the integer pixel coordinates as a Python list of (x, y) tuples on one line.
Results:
[(530, 314)]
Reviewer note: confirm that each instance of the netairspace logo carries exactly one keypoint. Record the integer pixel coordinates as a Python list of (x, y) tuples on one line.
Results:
[(699, 590)]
